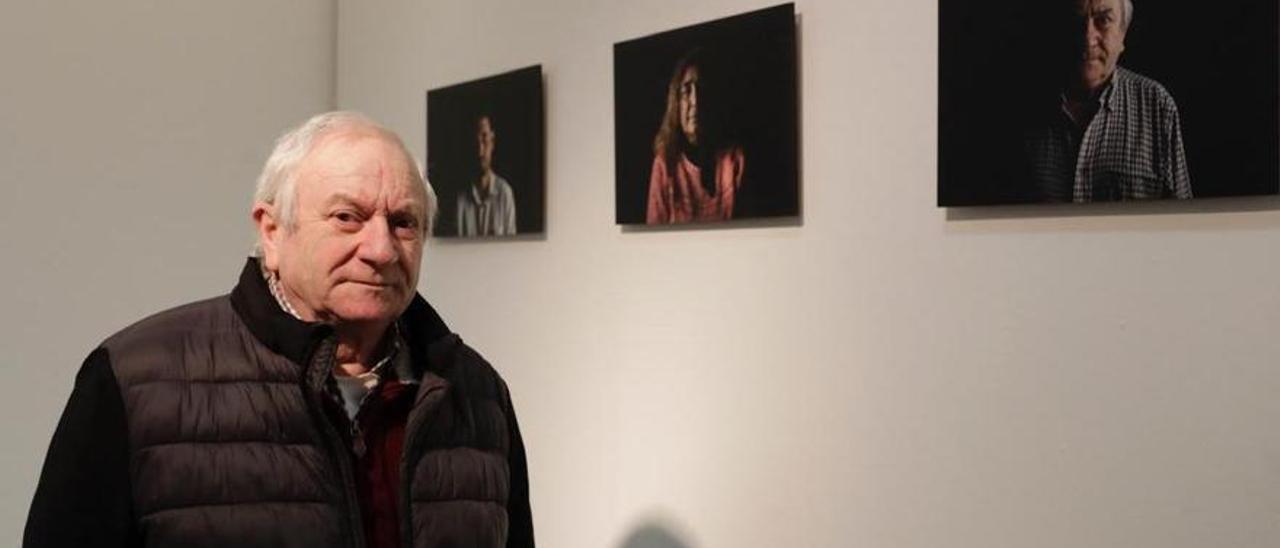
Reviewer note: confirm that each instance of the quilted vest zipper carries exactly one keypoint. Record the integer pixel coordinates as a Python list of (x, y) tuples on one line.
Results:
[(318, 370)]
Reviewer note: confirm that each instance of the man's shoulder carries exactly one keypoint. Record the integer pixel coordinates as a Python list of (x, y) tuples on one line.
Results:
[(1142, 84), (207, 315), (504, 187)]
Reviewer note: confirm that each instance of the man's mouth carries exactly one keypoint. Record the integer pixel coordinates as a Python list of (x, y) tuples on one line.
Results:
[(372, 284)]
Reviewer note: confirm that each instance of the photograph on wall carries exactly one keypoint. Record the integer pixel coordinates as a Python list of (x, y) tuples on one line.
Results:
[(1072, 101), (705, 121), (485, 155)]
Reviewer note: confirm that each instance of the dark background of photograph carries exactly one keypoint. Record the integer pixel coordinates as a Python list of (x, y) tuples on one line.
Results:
[(1000, 61), (515, 103), (747, 89)]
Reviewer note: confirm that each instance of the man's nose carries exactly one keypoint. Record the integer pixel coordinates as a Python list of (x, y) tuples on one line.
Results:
[(1091, 33), (378, 244)]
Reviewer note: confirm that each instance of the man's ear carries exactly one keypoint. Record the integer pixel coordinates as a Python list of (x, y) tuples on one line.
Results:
[(269, 234)]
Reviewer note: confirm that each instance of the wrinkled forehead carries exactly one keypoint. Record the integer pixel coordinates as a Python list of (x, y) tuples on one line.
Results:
[(362, 162)]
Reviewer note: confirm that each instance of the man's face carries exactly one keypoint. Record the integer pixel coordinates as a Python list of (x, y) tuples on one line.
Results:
[(1102, 29), (354, 253), (484, 142), (689, 104)]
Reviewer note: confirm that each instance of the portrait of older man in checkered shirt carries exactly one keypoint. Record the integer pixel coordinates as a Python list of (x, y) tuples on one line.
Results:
[(1116, 134)]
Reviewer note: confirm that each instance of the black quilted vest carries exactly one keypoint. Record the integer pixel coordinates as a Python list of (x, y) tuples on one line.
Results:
[(229, 445)]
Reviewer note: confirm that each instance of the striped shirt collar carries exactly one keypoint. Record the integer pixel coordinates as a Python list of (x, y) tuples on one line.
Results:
[(273, 283)]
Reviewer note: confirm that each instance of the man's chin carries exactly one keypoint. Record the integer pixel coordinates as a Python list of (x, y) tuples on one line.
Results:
[(1092, 76), (371, 305), (367, 314)]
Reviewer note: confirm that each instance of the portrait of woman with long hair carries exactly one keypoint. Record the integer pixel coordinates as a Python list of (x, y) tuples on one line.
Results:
[(706, 127), (693, 178)]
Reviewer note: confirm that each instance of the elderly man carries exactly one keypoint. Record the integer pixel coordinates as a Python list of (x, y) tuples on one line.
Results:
[(1115, 134), (321, 403), (488, 206)]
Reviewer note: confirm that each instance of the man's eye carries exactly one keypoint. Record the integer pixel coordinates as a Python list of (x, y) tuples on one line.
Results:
[(346, 217), (405, 224)]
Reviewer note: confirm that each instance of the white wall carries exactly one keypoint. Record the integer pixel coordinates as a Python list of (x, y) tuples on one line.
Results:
[(131, 132), (884, 374)]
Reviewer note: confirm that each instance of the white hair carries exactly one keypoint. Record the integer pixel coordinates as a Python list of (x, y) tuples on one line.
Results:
[(1128, 14), (277, 185)]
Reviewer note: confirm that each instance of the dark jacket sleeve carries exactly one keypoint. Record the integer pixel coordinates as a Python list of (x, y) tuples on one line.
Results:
[(83, 498), (519, 516)]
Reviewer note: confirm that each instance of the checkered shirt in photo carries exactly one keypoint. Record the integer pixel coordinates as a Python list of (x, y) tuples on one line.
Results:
[(1130, 150)]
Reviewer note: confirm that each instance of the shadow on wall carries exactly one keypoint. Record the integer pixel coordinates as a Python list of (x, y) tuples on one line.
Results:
[(653, 535)]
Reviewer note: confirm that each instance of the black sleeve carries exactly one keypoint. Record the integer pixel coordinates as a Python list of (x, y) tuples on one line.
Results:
[(519, 516), (84, 498)]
